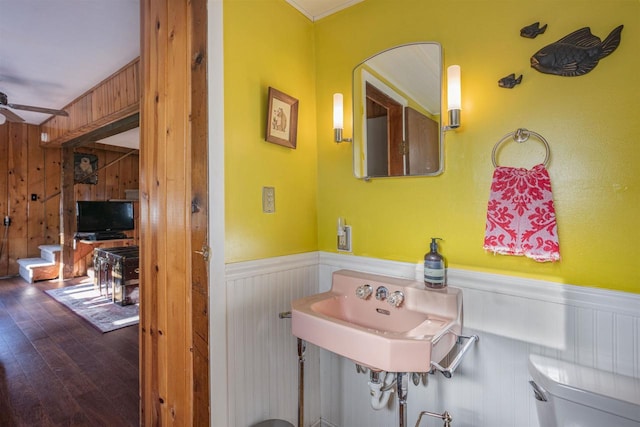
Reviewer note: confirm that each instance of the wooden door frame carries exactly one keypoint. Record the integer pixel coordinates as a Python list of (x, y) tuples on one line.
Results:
[(174, 322), (394, 113)]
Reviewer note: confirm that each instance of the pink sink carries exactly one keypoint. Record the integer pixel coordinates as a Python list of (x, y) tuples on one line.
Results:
[(374, 333)]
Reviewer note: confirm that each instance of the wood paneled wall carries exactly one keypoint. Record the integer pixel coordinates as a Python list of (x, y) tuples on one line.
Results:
[(112, 99), (28, 169), (110, 107), (114, 179), (120, 174), (174, 361)]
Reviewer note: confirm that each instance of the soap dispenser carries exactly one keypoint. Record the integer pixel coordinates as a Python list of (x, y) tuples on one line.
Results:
[(434, 267)]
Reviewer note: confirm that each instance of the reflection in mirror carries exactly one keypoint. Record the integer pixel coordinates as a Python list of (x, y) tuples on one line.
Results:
[(396, 111)]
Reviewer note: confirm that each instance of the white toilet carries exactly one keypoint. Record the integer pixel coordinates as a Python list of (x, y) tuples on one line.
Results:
[(569, 395), (273, 423)]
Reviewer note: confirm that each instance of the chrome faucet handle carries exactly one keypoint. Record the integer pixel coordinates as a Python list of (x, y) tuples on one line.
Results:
[(381, 293), (364, 291), (396, 299)]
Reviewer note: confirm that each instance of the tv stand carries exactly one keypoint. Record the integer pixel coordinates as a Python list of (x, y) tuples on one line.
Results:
[(101, 235), (110, 235)]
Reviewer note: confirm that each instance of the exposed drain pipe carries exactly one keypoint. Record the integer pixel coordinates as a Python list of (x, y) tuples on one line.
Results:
[(302, 346), (402, 384), (381, 386)]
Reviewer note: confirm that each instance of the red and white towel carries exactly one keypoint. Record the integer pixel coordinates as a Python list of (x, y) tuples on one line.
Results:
[(521, 218)]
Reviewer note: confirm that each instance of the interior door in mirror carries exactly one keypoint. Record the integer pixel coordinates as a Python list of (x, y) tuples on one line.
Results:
[(385, 151), (422, 142)]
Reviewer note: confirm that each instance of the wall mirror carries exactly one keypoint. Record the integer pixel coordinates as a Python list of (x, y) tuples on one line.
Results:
[(397, 129)]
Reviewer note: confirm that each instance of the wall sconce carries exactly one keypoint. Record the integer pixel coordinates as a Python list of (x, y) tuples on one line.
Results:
[(338, 119), (3, 119), (454, 98)]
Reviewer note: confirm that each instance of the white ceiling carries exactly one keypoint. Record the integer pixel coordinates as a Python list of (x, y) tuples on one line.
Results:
[(126, 139), (51, 52), (420, 74), (317, 9)]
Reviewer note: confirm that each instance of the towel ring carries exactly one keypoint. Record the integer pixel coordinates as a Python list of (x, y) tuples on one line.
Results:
[(521, 135)]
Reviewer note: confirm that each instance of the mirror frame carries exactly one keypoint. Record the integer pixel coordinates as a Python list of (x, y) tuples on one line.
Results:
[(358, 122)]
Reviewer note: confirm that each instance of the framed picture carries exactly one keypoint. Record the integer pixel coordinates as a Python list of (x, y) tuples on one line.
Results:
[(282, 119), (84, 168)]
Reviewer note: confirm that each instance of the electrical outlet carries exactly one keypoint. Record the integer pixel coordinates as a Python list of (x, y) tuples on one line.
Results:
[(344, 241), (268, 199)]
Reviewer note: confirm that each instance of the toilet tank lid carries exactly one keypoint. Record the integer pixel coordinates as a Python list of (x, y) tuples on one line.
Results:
[(603, 390)]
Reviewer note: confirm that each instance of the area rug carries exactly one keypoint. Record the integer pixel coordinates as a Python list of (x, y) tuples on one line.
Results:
[(97, 309)]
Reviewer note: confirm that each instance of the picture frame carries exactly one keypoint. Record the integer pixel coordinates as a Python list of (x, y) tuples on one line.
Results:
[(282, 119), (85, 167)]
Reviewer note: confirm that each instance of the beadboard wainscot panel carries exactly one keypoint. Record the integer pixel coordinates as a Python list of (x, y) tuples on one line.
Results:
[(514, 317), (262, 353)]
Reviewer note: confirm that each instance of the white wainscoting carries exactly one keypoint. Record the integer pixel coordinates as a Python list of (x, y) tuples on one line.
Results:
[(514, 317), (262, 353)]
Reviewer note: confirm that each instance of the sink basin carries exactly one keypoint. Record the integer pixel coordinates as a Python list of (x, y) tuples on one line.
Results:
[(374, 333)]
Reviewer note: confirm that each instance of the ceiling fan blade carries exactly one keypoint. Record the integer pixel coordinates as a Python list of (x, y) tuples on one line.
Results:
[(11, 116), (39, 109)]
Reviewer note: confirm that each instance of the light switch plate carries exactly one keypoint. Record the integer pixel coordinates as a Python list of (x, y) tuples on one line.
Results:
[(268, 199)]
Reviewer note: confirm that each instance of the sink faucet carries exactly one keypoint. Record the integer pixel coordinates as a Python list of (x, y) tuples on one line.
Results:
[(396, 298), (381, 293), (364, 291)]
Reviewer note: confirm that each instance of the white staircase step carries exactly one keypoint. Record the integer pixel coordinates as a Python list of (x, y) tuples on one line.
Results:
[(34, 269), (50, 252), (26, 274)]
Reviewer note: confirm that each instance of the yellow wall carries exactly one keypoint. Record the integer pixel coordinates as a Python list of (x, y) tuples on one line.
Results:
[(268, 43), (591, 122)]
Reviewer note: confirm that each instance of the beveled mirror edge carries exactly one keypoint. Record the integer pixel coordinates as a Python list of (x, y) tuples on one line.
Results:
[(357, 156)]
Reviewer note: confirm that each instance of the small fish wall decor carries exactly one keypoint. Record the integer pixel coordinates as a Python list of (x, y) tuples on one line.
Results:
[(575, 54), (510, 81), (532, 31)]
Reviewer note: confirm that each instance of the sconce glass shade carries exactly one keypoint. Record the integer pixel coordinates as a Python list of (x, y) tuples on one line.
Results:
[(454, 96), (2, 119), (338, 119), (453, 88), (338, 111)]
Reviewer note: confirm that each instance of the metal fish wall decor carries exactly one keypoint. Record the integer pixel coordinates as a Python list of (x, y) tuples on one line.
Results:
[(532, 31), (575, 54), (510, 81)]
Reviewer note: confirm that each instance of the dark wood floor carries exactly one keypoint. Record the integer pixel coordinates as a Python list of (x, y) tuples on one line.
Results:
[(58, 370)]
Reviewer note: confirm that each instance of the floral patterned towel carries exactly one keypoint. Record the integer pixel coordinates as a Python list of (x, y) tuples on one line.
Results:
[(521, 218)]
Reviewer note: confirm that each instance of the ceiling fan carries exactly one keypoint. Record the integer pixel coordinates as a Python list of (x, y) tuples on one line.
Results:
[(13, 117)]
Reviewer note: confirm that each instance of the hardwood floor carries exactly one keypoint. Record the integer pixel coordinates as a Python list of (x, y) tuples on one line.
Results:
[(56, 369)]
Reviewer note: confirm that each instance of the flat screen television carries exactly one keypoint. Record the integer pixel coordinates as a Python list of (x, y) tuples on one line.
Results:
[(97, 216)]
